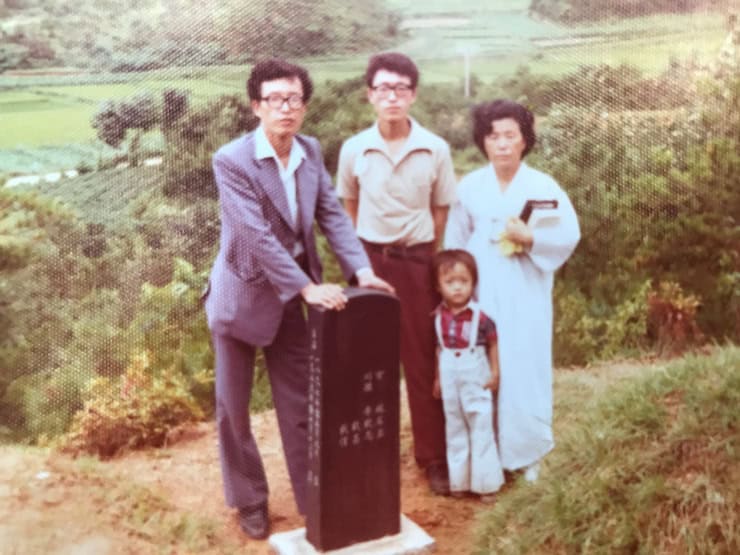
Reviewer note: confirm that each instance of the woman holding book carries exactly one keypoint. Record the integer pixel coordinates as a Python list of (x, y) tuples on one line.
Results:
[(517, 252)]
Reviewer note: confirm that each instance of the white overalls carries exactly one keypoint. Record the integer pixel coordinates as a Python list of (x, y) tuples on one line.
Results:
[(472, 455)]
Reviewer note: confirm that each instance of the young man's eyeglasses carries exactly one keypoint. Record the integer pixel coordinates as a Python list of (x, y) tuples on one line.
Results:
[(276, 101), (401, 90)]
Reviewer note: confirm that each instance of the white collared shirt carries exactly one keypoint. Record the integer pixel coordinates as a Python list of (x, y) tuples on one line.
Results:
[(395, 194), (263, 149)]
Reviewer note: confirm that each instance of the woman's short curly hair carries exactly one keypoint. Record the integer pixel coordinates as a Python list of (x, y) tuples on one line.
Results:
[(486, 113)]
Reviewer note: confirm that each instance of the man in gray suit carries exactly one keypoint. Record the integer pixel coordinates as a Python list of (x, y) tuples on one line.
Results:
[(272, 186)]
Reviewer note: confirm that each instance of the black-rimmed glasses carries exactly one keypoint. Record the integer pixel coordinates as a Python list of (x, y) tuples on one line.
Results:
[(276, 101), (401, 90)]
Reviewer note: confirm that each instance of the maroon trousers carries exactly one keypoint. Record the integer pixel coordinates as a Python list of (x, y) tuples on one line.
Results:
[(408, 271)]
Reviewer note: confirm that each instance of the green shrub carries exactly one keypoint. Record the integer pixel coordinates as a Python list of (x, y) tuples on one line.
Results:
[(672, 318), (728, 291), (575, 340), (47, 401), (626, 329), (586, 331), (15, 252), (134, 411), (191, 141)]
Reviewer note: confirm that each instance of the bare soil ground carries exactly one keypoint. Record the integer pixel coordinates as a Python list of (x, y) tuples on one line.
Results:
[(151, 501)]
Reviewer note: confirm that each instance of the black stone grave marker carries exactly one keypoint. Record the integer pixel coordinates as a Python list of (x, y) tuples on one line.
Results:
[(353, 422)]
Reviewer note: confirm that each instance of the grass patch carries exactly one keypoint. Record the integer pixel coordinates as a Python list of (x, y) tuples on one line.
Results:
[(47, 125), (152, 518), (649, 467), (144, 514)]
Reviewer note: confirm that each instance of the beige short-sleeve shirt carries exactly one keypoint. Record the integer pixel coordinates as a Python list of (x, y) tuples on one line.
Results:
[(395, 196)]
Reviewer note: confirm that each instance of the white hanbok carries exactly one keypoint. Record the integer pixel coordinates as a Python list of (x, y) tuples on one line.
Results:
[(516, 292)]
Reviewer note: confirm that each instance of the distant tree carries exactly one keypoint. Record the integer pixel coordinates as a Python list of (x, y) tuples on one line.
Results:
[(13, 56), (192, 140), (109, 124), (175, 105), (113, 120), (39, 49)]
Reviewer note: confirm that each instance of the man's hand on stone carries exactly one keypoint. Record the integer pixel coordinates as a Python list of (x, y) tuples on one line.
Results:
[(328, 295), (367, 278)]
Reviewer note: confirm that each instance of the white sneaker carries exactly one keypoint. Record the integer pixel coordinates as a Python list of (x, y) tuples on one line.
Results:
[(532, 472)]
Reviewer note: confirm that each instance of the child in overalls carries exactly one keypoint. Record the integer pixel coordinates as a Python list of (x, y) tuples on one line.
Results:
[(467, 376)]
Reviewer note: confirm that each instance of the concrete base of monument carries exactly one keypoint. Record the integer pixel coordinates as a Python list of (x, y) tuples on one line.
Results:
[(412, 539)]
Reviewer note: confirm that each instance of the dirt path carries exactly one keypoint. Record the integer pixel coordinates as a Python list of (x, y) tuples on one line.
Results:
[(170, 500), (52, 504)]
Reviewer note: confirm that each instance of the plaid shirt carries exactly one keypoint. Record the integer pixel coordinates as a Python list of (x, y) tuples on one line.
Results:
[(456, 328)]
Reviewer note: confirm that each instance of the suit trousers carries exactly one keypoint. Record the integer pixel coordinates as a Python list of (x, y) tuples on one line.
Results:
[(244, 480), (410, 276)]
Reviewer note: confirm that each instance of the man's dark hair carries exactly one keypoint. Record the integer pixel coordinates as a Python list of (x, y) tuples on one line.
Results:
[(269, 70), (445, 260), (392, 61), (486, 113)]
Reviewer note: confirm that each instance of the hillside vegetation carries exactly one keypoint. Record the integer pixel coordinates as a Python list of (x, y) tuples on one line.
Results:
[(596, 10), (149, 34), (649, 467)]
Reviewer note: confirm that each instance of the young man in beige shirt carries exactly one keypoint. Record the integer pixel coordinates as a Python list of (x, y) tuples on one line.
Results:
[(397, 182)]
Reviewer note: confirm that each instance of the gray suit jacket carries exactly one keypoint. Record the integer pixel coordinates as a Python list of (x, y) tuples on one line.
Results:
[(254, 274)]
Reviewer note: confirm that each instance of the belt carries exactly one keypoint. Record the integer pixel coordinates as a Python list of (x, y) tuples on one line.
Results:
[(420, 252)]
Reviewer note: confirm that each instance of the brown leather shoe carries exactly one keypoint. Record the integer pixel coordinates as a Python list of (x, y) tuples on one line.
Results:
[(255, 522), (439, 481)]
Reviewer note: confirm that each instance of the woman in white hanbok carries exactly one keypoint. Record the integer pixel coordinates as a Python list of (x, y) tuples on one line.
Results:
[(516, 262)]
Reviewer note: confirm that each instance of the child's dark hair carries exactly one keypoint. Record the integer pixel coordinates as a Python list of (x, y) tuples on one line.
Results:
[(444, 260)]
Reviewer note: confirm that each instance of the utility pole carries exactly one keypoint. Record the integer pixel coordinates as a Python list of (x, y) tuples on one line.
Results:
[(466, 49), (466, 56)]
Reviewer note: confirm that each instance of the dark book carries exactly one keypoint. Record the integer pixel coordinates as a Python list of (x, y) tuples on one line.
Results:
[(531, 205)]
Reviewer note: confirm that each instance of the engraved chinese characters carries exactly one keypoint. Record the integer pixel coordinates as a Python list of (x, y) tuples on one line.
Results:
[(371, 425), (354, 476)]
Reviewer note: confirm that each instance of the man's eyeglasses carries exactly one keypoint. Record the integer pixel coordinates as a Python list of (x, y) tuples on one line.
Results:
[(276, 101), (401, 90)]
